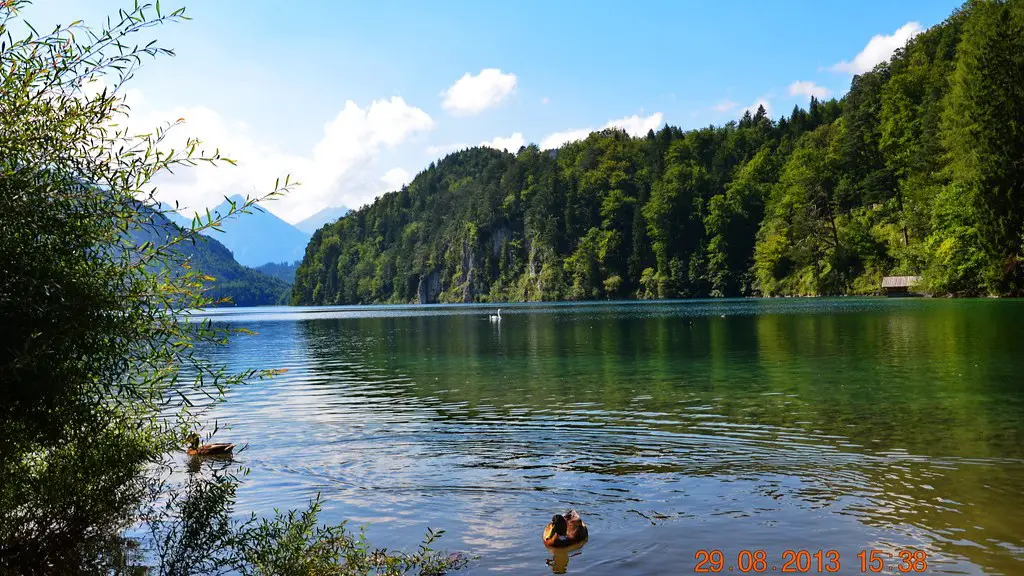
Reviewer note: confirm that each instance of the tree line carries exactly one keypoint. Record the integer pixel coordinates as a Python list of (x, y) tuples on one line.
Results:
[(917, 170)]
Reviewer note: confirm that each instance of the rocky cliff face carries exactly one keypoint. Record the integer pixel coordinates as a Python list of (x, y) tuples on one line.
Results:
[(533, 265), (468, 269), (498, 239), (429, 288)]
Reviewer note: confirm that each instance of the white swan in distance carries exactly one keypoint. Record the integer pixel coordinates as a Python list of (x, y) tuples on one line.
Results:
[(496, 318)]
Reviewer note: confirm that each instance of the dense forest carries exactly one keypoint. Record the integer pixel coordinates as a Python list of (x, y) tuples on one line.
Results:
[(283, 271), (918, 170)]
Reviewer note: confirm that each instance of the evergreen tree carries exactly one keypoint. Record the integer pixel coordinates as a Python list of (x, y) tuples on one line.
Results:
[(984, 132)]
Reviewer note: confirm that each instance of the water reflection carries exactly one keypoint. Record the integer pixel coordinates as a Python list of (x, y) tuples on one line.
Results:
[(215, 462), (559, 561), (846, 424)]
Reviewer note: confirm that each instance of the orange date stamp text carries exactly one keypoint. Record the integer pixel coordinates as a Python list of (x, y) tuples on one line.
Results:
[(906, 561)]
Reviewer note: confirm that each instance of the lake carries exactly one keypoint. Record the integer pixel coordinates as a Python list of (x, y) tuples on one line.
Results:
[(672, 427)]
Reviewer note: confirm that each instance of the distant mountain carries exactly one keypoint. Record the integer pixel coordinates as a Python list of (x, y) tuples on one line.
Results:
[(244, 286), (173, 215), (259, 237), (318, 220)]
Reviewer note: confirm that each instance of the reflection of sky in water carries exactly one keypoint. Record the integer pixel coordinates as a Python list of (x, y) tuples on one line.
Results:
[(798, 424)]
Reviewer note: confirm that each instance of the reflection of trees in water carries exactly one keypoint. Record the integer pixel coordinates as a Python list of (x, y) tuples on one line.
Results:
[(919, 393), (876, 413)]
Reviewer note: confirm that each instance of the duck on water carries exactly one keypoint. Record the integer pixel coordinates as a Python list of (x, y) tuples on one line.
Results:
[(565, 530), (196, 449)]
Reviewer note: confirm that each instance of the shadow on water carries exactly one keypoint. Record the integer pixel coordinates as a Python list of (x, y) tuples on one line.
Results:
[(845, 424)]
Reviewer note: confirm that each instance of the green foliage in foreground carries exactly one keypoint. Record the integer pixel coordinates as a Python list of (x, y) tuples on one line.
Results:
[(199, 537), (918, 169), (98, 377)]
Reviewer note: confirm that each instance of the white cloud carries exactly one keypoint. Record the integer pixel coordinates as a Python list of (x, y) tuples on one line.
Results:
[(95, 86), (511, 143), (558, 139), (637, 126), (339, 170), (724, 106), (396, 178), (879, 49), (633, 125), (759, 102), (439, 150), (808, 88), (473, 94), (545, 100)]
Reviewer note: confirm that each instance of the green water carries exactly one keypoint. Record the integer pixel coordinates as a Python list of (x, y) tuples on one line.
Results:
[(846, 424)]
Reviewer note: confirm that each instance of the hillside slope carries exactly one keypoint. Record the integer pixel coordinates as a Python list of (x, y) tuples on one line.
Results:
[(918, 170), (281, 270), (243, 285)]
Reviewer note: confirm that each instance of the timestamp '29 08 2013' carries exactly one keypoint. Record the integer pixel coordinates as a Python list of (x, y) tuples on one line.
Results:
[(906, 561)]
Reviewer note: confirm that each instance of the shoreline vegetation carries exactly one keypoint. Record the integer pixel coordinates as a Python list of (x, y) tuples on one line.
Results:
[(100, 383), (916, 171)]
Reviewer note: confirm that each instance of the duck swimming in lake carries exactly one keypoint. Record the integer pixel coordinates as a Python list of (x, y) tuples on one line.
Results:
[(565, 530), (195, 449)]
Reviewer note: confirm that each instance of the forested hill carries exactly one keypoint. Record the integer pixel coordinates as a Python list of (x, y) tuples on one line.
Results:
[(919, 169), (242, 285)]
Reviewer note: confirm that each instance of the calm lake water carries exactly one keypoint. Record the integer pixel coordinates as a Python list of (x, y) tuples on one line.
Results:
[(797, 424)]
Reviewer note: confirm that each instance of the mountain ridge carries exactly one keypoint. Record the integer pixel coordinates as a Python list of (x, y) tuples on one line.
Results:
[(257, 238), (322, 218)]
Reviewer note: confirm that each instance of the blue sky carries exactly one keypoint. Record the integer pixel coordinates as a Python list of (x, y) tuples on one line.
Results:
[(353, 98)]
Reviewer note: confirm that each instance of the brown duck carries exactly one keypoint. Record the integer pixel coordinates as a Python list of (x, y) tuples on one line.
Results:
[(565, 530), (196, 449)]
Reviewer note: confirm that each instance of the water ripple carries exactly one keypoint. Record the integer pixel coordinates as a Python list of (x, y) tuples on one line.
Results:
[(659, 431)]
